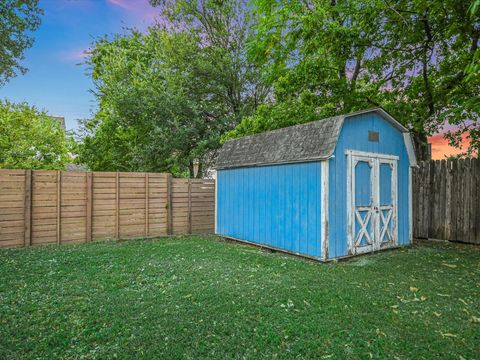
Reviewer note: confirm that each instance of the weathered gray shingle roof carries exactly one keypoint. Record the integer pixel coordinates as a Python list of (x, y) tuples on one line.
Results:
[(304, 142), (315, 140)]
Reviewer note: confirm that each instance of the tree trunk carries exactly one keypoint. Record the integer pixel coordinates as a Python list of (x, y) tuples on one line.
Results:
[(200, 170), (422, 149), (190, 170)]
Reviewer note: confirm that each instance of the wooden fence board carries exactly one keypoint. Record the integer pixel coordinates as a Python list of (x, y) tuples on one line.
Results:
[(47, 207), (447, 205)]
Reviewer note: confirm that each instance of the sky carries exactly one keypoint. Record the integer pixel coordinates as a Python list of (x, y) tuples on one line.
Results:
[(57, 81)]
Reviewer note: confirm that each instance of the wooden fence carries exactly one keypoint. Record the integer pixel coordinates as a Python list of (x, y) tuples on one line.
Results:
[(43, 207), (446, 200)]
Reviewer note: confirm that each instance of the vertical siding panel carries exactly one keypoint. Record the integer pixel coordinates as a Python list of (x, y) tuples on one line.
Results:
[(296, 217), (226, 195), (274, 204), (251, 210), (219, 203), (231, 193), (256, 205), (221, 211), (333, 207), (277, 220), (303, 214), (288, 205), (314, 212), (268, 205), (224, 200), (244, 204), (281, 207), (261, 206), (298, 207), (308, 221)]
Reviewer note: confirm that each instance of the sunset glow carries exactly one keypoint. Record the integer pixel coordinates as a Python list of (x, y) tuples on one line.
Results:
[(441, 149)]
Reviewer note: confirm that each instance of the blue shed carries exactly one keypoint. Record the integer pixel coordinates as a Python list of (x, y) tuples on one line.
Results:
[(327, 189)]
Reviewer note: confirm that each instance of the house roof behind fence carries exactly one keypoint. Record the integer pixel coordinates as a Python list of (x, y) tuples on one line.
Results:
[(311, 141)]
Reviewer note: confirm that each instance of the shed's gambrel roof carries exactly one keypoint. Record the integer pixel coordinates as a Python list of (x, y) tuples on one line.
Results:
[(311, 141)]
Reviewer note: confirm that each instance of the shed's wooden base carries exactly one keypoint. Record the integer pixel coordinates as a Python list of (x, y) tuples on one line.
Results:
[(316, 259)]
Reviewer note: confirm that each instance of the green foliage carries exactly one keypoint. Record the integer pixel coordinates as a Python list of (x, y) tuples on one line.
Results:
[(327, 57), (159, 108), (167, 96), (17, 20), (30, 139), (201, 298)]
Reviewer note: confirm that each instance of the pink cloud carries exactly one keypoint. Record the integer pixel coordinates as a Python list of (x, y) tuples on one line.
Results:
[(124, 4), (136, 10), (73, 54)]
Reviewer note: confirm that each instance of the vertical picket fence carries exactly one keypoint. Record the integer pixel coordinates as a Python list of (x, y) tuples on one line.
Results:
[(446, 200)]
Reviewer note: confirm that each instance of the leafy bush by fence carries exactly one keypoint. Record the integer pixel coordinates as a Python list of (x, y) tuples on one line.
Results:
[(41, 207)]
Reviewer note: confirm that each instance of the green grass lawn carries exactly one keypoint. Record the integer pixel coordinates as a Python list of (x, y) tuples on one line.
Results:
[(201, 297)]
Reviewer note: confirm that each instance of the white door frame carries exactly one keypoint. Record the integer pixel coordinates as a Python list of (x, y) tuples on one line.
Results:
[(375, 215)]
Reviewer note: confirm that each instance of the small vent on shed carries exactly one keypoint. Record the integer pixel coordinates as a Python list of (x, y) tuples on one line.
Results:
[(373, 136)]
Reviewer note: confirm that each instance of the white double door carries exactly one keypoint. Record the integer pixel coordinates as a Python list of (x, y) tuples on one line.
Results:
[(371, 201)]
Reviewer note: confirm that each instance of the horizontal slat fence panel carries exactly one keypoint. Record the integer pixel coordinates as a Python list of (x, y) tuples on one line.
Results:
[(180, 206), (48, 207), (446, 201), (202, 206), (12, 214)]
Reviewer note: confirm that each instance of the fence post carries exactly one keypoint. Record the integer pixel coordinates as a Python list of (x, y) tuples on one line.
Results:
[(59, 206), (88, 222), (117, 206), (189, 207), (28, 208), (147, 204), (476, 181), (169, 205)]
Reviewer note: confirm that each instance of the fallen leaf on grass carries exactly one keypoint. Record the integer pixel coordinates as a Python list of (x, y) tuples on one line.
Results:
[(475, 319), (413, 289), (437, 314), (449, 335), (452, 266)]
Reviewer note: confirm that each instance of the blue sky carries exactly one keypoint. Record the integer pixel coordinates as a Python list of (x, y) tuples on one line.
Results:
[(56, 80)]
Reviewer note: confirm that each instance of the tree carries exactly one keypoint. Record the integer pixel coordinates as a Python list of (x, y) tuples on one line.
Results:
[(167, 96), (224, 27), (161, 104), (327, 57), (31, 139), (17, 20)]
